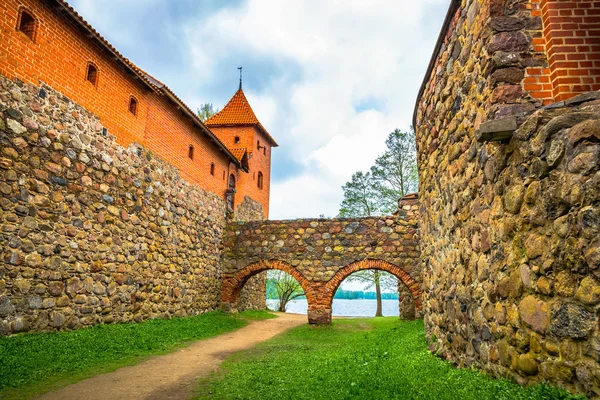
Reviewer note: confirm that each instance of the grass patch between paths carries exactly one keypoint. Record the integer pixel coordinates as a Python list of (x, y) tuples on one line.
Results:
[(40, 362), (380, 358)]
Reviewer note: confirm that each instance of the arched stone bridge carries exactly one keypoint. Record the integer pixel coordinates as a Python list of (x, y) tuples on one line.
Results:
[(321, 253)]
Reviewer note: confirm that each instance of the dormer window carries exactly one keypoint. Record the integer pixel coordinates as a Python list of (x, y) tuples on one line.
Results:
[(91, 74), (191, 152), (133, 105), (236, 140), (26, 24)]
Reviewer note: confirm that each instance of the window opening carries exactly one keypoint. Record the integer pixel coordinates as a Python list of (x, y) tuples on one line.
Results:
[(27, 24), (260, 180), (133, 105), (92, 74)]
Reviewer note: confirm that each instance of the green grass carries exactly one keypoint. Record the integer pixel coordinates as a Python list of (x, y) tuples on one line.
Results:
[(40, 362), (379, 358)]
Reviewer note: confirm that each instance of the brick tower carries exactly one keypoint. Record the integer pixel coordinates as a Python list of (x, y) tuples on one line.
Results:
[(238, 128)]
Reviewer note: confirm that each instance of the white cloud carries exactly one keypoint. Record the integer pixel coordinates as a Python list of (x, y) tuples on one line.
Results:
[(348, 52), (324, 59)]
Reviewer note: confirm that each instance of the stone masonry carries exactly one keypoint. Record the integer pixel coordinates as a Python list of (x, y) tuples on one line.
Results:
[(510, 203), (321, 253), (91, 232)]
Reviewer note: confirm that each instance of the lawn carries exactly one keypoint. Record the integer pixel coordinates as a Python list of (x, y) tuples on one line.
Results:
[(39, 362), (378, 358)]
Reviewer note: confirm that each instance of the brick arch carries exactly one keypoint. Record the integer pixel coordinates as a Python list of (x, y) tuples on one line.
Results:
[(411, 284), (234, 284)]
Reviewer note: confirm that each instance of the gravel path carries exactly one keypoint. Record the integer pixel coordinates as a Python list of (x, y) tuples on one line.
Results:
[(174, 375)]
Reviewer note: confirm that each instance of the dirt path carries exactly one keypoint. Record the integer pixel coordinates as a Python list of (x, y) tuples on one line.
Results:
[(173, 376)]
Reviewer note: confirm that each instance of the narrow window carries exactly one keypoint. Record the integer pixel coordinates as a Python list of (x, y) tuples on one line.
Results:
[(92, 74), (133, 105), (236, 140), (264, 150), (27, 24), (223, 175), (191, 152), (258, 144), (212, 169), (260, 180)]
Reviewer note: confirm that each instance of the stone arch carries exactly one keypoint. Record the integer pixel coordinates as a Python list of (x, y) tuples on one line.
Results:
[(232, 285), (412, 285)]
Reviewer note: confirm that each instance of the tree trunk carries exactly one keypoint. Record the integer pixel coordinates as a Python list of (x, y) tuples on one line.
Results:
[(379, 312), (282, 304)]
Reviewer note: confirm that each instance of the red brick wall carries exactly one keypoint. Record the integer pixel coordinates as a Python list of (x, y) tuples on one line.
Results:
[(260, 161), (572, 39), (59, 55), (170, 133)]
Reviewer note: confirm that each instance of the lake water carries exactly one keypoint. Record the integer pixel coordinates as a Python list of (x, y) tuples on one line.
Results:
[(343, 308)]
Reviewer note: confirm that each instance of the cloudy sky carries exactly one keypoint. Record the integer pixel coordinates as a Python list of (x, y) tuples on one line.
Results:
[(329, 79)]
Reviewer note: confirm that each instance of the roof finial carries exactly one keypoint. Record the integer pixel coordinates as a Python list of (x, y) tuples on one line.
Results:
[(240, 68)]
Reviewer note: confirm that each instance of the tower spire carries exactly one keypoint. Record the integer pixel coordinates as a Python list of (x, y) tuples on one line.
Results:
[(240, 68)]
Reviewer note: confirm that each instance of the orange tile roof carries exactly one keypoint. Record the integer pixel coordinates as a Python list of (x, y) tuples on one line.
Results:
[(238, 153), (153, 83), (241, 154), (237, 111)]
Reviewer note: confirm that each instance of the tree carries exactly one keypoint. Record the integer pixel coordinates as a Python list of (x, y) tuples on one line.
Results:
[(378, 191), (379, 279), (206, 111), (286, 287), (361, 197), (395, 171)]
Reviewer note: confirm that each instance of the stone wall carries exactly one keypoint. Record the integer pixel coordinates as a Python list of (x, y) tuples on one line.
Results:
[(509, 228), (91, 232), (321, 253), (254, 293)]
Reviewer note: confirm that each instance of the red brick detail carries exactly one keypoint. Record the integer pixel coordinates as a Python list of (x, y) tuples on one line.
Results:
[(381, 265), (233, 285), (572, 41), (59, 56), (258, 161)]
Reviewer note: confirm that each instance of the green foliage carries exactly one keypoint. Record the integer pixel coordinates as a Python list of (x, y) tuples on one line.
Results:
[(285, 286), (380, 358), (361, 197), (46, 361), (206, 111), (393, 175), (395, 171), (369, 278)]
